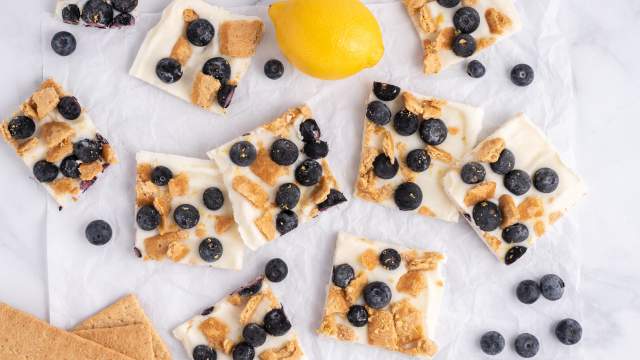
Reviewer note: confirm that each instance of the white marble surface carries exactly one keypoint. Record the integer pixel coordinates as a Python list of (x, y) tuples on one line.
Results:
[(606, 80)]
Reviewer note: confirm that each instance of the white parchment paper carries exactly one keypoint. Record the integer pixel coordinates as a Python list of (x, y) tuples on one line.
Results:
[(480, 291)]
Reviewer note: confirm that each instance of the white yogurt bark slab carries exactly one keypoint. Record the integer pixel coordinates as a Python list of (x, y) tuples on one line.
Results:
[(211, 240), (510, 222), (498, 19), (63, 149), (391, 142), (234, 41), (97, 13), (406, 321), (220, 328), (284, 156)]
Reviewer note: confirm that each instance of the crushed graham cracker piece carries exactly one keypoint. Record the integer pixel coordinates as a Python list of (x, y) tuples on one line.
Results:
[(412, 103), (438, 154), (353, 291), (27, 146), (167, 225), (204, 90), (234, 299), (289, 351), (44, 101), (108, 154), (179, 185), (29, 111), (425, 211), (181, 51), (346, 333), (223, 224), (381, 330), (490, 150), (469, 2), (250, 191), (407, 174), (189, 15), (162, 202), (414, 4), (539, 228), (88, 171), (554, 216), (480, 192), (531, 207), (266, 169), (432, 108), (143, 172), (426, 261), (145, 192), (408, 322), (239, 38), (388, 145), (52, 84), (411, 283), (493, 242), (454, 130), (369, 259), (156, 246), (55, 132), (59, 151), (336, 301), (266, 225), (366, 184), (445, 38), (65, 186), (282, 125), (508, 210), (426, 21), (216, 331), (201, 230), (176, 251), (431, 61), (250, 308), (4, 130), (327, 182), (498, 22), (328, 326), (421, 347), (485, 42)]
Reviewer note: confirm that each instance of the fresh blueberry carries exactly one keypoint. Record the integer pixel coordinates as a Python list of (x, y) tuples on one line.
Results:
[(448, 3), (200, 32), (251, 289), (466, 20), (552, 287), (71, 14), (405, 122), (213, 198), (316, 149), (276, 270), (97, 13), (390, 259), (528, 291), (98, 232), (505, 162), (225, 95), (169, 70), (287, 196), (418, 160), (276, 322), (385, 92), (384, 168), (527, 345), (342, 275), (125, 6), (219, 68), (284, 152), (148, 218), (377, 294), (274, 69), (204, 352), (433, 131), (358, 315), (378, 113), (463, 45), (21, 127), (546, 180), (45, 171), (70, 167), (408, 196), (486, 215), (69, 107), (87, 150), (242, 153), (254, 334), (515, 233), (186, 216), (517, 181), (472, 173), (310, 130), (63, 43), (475, 69), (334, 198), (210, 249), (514, 254), (160, 175), (308, 173), (522, 75), (569, 332), (243, 351), (492, 343), (122, 20), (286, 221)]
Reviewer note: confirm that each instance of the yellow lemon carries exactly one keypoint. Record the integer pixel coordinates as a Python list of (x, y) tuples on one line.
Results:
[(327, 39)]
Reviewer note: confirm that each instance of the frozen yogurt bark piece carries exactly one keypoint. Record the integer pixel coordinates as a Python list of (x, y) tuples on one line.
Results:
[(512, 187), (57, 140), (451, 31), (183, 213), (409, 142), (278, 176), (97, 13), (384, 295), (249, 321), (198, 52)]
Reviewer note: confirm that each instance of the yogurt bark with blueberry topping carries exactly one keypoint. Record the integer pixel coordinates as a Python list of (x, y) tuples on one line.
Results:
[(199, 53), (97, 13), (183, 213), (512, 187), (278, 176), (250, 323), (56, 138), (409, 142), (452, 30), (384, 295)]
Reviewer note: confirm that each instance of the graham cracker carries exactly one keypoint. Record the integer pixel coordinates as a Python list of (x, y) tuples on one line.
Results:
[(131, 340), (126, 311), (23, 337)]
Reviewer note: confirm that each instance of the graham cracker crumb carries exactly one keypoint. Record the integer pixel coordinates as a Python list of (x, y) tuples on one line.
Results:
[(480, 192), (181, 51), (554, 216), (425, 211), (201, 230), (240, 38), (426, 261), (179, 185), (431, 61), (485, 42), (531, 207), (108, 154), (498, 22), (328, 326), (469, 2), (454, 130), (381, 330), (411, 103), (345, 333), (426, 21), (407, 174), (143, 171), (445, 38), (44, 101), (250, 308), (90, 170), (145, 192), (55, 132), (156, 246), (508, 210), (216, 331), (266, 169), (162, 202), (366, 184), (432, 108), (493, 242), (176, 251), (266, 225), (282, 125), (234, 299), (489, 150), (336, 302), (223, 224), (64, 186), (354, 290), (408, 322), (26, 146), (29, 111), (204, 91), (539, 228), (327, 182), (6, 135), (289, 351), (411, 283), (369, 259), (167, 225), (438, 154), (52, 84), (189, 15), (414, 4), (59, 151), (388, 146), (250, 191)]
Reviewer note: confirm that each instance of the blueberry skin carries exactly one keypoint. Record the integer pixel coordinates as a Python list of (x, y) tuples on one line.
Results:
[(309, 130), (385, 92), (569, 332), (505, 163), (242, 153), (251, 289), (378, 113), (161, 175), (274, 69), (207, 311), (448, 3), (408, 196), (21, 127), (63, 43), (200, 32), (405, 122), (123, 19), (377, 294), (70, 167), (69, 107), (169, 70), (276, 322), (125, 6), (527, 345), (71, 14), (334, 198), (475, 69), (358, 315), (466, 20), (546, 180), (213, 198), (288, 196), (463, 45), (87, 150), (276, 270), (528, 292), (472, 173), (418, 160), (514, 254), (517, 182), (98, 232), (243, 351), (316, 149), (342, 275), (515, 233), (522, 75), (97, 13), (487, 215), (552, 287), (390, 259), (219, 68), (384, 168), (433, 131), (225, 95), (186, 216), (284, 152), (45, 171), (286, 221), (148, 218), (204, 352), (308, 173), (254, 334), (492, 343), (210, 249)]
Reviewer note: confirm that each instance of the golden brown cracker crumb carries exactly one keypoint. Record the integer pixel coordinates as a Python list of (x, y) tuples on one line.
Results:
[(143, 171), (216, 331), (179, 185), (189, 15), (55, 132), (425, 211), (454, 130), (250, 308), (414, 4), (408, 322), (88, 171), (412, 103), (64, 186), (145, 192), (381, 330), (366, 184), (156, 246), (426, 261), (432, 108), (445, 38), (234, 299), (469, 2), (44, 101), (223, 224), (421, 347), (554, 216), (239, 38), (327, 182), (508, 210), (411, 283), (369, 259), (250, 191), (531, 207), (498, 22), (346, 333), (29, 111), (181, 51), (201, 230), (328, 326), (266, 225), (485, 42), (266, 169), (354, 290), (431, 62), (489, 150), (108, 154), (162, 202), (480, 192), (407, 174), (204, 90), (26, 146), (539, 228), (176, 251), (289, 351), (336, 301), (52, 84), (282, 125), (493, 242), (388, 145), (426, 21), (438, 154), (59, 151), (6, 135)]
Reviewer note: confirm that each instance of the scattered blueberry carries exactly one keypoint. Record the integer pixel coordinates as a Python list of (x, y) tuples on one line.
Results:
[(309, 130), (522, 75), (466, 20), (408, 196), (125, 6), (207, 311), (69, 107), (390, 259), (276, 322), (225, 95), (308, 173), (475, 69), (433, 131), (286, 221), (87, 150), (251, 289), (210, 249), (242, 153), (546, 180), (122, 20), (97, 13), (385, 92), (517, 181), (148, 218), (160, 175), (463, 45), (334, 198), (505, 162), (569, 332), (486, 215), (70, 167), (472, 173), (342, 275), (377, 294), (515, 233), (186, 216), (276, 270), (169, 70), (98, 232), (21, 127), (448, 3), (287, 196), (358, 315), (378, 112), (200, 32), (552, 287), (316, 149), (63, 43), (274, 69), (284, 152), (254, 334), (213, 198), (219, 68), (204, 352), (71, 14), (527, 345), (418, 160), (514, 254), (528, 291), (405, 122), (243, 351), (45, 171), (492, 343), (384, 168)]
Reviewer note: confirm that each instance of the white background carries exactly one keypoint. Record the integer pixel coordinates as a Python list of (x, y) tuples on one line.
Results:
[(605, 82)]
